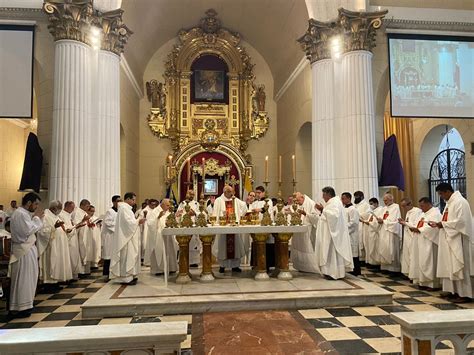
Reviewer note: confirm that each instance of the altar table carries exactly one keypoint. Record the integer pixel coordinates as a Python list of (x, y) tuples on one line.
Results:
[(259, 235)]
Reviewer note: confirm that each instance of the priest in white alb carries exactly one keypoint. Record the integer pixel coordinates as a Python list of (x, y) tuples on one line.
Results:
[(23, 266), (145, 233), (164, 249), (125, 261), (71, 230), (372, 256), (229, 249), (353, 226), (83, 241), (93, 231), (363, 208), (456, 245), (53, 249), (412, 215), (107, 234), (390, 235), (424, 251), (333, 243), (303, 245)]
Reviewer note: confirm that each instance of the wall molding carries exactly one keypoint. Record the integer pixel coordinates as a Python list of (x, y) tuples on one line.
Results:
[(294, 74), (420, 25), (131, 77)]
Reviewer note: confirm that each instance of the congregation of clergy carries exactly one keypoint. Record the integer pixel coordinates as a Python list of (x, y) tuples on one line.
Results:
[(64, 242)]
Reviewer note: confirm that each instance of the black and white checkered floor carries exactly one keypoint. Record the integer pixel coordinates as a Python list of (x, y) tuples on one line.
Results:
[(354, 330)]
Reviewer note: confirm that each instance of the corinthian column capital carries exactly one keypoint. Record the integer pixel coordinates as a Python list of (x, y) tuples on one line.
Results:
[(359, 28), (315, 42), (115, 32), (70, 19)]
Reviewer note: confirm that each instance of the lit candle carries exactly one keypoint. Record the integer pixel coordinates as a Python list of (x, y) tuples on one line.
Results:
[(266, 168), (189, 169), (168, 172), (279, 169), (294, 167)]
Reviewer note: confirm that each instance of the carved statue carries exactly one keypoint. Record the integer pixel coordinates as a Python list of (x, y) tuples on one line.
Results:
[(156, 94)]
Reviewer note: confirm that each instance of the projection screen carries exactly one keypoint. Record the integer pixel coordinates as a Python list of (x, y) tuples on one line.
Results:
[(431, 76), (16, 71)]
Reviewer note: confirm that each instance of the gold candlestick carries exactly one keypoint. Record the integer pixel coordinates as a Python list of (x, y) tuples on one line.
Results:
[(279, 188), (294, 185)]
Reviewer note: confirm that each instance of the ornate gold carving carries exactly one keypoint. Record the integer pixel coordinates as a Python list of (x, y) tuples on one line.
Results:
[(115, 32), (242, 119), (73, 19), (212, 167), (156, 94), (357, 30), (70, 19)]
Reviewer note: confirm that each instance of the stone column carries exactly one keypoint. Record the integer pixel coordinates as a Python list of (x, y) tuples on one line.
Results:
[(344, 153), (107, 122), (85, 161), (70, 177), (357, 168)]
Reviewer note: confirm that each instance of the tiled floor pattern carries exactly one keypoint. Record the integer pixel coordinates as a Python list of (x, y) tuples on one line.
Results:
[(348, 330)]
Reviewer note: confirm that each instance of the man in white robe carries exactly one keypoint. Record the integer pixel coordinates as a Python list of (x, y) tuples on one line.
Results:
[(250, 205), (424, 252), (125, 261), (352, 218), (93, 231), (210, 205), (390, 235), (412, 216), (12, 209), (456, 245), (145, 214), (303, 245), (229, 249), (53, 249), (107, 234), (333, 243), (71, 230), (363, 208), (164, 251), (78, 217), (195, 243), (372, 256), (23, 266)]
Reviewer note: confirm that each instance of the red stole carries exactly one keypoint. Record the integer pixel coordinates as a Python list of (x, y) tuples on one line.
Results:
[(420, 223), (385, 215), (445, 215), (230, 238)]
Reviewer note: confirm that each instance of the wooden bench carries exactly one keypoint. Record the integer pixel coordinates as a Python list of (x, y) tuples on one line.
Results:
[(143, 338), (422, 331)]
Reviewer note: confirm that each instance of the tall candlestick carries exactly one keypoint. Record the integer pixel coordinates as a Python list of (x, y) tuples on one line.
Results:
[(188, 163), (279, 169), (266, 168), (294, 167), (203, 169), (168, 172)]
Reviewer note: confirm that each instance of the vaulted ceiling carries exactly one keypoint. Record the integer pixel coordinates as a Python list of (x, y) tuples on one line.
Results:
[(270, 26)]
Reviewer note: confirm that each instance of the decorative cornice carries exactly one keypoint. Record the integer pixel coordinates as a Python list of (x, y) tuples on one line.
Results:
[(9, 13), (356, 29), (131, 77), (420, 25), (70, 19), (115, 32)]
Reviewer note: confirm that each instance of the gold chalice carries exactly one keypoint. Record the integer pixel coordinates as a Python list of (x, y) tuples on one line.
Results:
[(212, 220)]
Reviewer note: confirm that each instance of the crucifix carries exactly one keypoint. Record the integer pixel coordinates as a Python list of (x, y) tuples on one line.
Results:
[(233, 181)]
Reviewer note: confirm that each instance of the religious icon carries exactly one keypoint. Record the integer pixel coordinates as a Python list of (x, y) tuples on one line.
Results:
[(210, 187), (208, 85)]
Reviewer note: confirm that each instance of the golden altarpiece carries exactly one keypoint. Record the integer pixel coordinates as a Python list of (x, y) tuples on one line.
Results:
[(209, 107)]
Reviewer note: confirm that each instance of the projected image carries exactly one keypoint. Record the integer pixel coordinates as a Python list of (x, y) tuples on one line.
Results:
[(431, 78)]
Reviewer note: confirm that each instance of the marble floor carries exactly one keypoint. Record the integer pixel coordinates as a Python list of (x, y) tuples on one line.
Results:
[(343, 330), (228, 292)]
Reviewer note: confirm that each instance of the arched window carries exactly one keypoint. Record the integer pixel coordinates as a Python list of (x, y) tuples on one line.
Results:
[(448, 166)]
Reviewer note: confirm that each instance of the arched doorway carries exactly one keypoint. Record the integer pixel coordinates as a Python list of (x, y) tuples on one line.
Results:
[(449, 165), (303, 156)]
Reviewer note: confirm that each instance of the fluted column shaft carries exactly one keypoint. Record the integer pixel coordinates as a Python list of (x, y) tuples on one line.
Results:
[(357, 159), (71, 146), (107, 147), (322, 125)]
